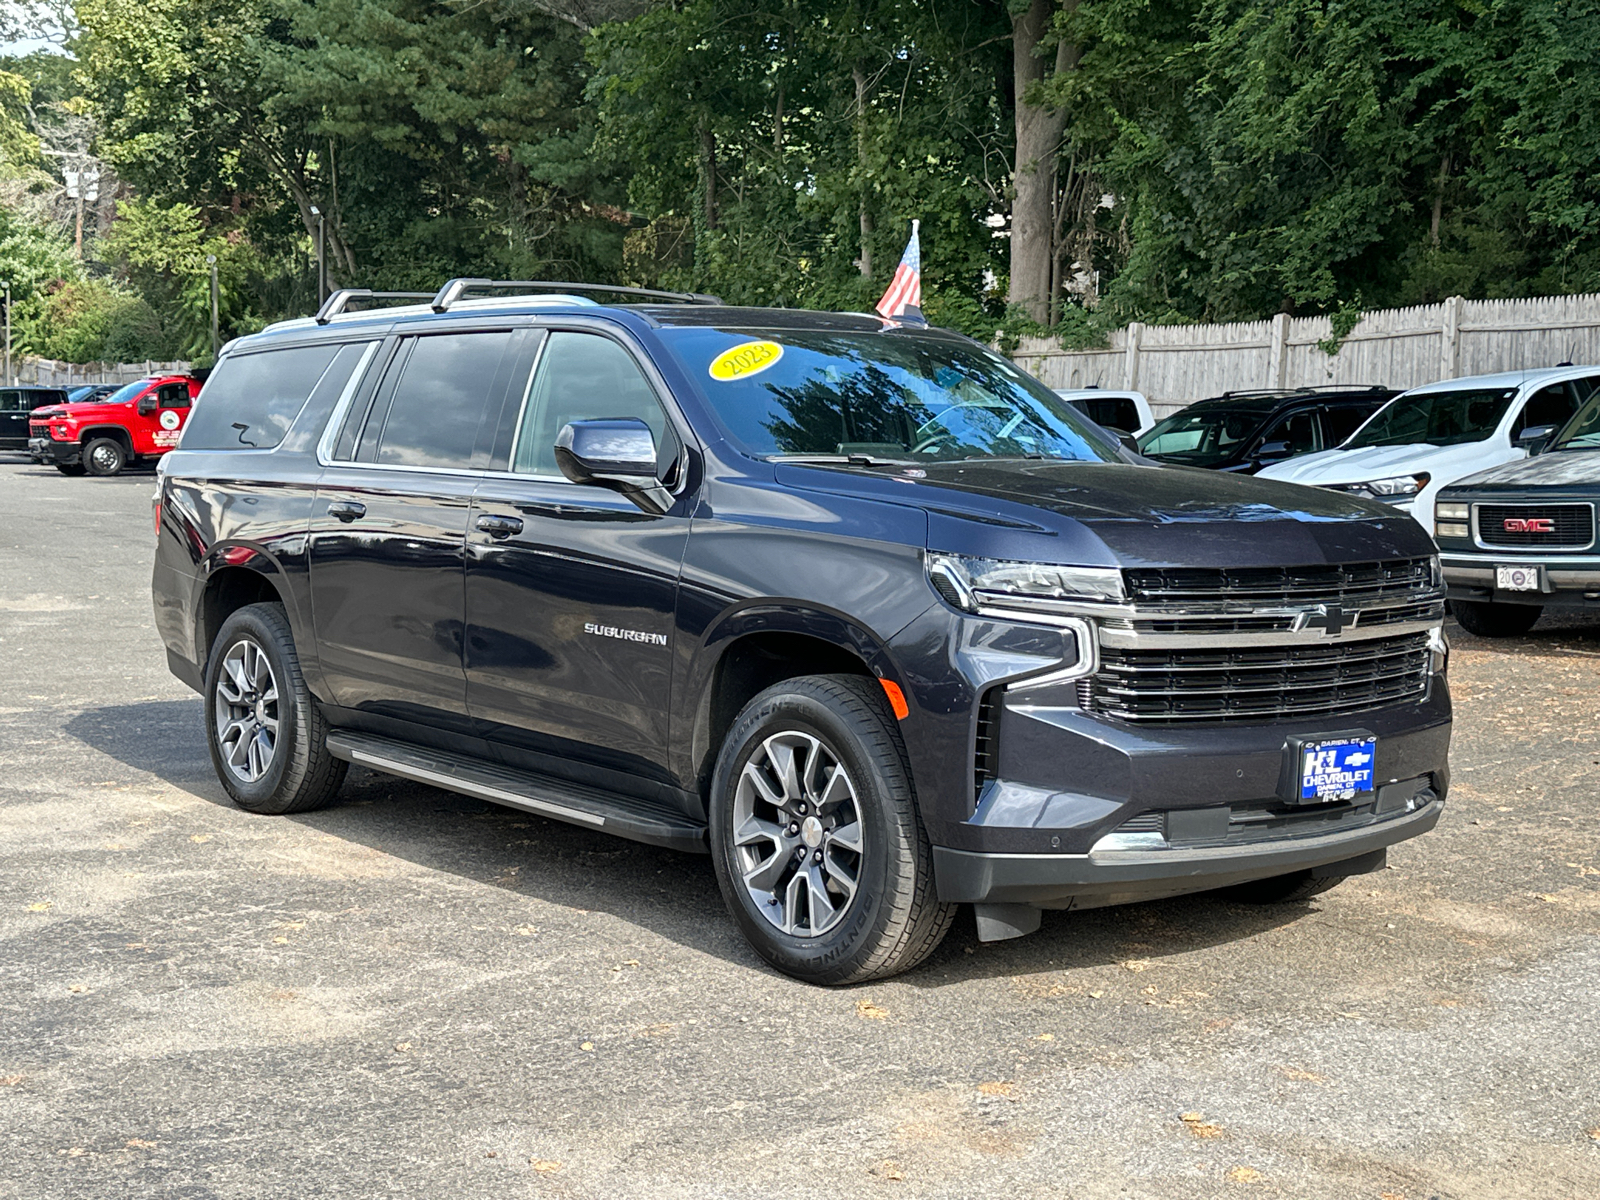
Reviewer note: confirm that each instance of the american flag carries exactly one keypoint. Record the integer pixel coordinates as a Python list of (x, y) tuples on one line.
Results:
[(904, 297)]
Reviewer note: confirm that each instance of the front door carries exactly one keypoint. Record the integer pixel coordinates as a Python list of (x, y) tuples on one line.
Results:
[(388, 529), (571, 589)]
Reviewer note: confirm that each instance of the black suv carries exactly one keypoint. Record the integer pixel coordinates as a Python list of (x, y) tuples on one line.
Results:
[(1245, 431), (16, 404), (859, 608)]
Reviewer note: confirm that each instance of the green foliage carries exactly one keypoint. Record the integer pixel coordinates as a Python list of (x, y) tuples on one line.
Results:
[(1342, 322), (91, 321)]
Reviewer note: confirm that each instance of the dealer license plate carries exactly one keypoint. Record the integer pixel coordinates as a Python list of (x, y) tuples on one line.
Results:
[(1517, 579), (1336, 770)]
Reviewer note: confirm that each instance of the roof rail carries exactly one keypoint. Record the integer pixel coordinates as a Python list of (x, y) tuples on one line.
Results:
[(457, 288), (337, 302)]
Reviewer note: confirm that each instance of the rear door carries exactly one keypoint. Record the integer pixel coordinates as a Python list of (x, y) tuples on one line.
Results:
[(388, 526), (164, 426), (571, 589), (14, 411)]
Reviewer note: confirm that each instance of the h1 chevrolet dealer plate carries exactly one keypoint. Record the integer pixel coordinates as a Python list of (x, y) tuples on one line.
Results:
[(1340, 769)]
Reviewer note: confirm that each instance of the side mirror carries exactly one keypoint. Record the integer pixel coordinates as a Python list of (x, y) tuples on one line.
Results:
[(1533, 438), (617, 453), (146, 405), (1129, 442), (1274, 450)]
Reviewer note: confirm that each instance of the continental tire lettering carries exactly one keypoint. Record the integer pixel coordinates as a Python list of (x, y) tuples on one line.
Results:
[(624, 635)]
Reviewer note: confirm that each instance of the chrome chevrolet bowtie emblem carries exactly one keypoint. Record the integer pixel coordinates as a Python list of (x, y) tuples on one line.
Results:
[(1327, 617)]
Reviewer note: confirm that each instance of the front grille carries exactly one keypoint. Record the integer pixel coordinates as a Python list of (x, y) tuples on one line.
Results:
[(1571, 526), (1251, 683), (36, 430), (1351, 585)]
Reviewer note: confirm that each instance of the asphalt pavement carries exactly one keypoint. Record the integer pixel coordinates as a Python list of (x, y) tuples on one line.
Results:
[(416, 994)]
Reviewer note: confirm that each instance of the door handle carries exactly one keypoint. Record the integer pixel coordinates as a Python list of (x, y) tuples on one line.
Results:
[(347, 510), (500, 526)]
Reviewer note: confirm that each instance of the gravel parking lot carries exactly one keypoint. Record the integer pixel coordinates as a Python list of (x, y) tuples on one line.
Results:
[(417, 994)]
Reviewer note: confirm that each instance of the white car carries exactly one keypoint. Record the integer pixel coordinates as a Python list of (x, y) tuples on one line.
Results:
[(1120, 412), (1431, 436)]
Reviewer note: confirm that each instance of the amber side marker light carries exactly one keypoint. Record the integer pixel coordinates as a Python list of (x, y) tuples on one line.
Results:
[(897, 699)]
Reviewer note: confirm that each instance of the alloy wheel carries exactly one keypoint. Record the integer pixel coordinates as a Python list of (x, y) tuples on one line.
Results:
[(797, 834), (105, 457), (247, 711)]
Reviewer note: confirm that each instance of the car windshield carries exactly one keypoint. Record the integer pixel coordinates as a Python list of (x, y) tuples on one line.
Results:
[(1436, 418), (896, 396), (1202, 437), (127, 392), (90, 392), (1583, 431)]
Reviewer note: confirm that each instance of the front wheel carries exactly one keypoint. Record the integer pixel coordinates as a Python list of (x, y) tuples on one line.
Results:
[(104, 456), (268, 738), (815, 837), (1483, 619)]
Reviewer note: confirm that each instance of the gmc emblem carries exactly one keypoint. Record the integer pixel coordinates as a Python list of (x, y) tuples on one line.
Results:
[(1529, 525)]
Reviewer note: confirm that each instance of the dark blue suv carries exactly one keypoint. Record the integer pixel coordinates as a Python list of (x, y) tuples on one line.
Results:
[(858, 607)]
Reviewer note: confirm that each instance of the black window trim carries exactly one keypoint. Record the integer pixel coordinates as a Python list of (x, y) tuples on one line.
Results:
[(647, 368)]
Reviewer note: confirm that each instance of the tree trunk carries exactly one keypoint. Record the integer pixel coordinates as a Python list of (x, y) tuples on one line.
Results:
[(777, 123), (865, 261), (1438, 200), (708, 171), (1039, 131)]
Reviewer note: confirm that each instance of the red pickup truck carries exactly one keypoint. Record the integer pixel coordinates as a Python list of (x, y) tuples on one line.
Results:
[(142, 420)]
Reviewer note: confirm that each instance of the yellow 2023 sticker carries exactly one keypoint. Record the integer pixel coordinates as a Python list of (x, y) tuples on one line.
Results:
[(744, 360)]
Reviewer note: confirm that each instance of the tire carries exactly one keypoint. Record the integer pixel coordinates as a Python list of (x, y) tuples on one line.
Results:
[(254, 653), (1282, 889), (105, 457), (70, 468), (1484, 619), (891, 919)]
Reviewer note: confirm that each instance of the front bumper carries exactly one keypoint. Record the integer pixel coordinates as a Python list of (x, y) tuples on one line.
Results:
[(1118, 876), (1570, 580), (48, 450)]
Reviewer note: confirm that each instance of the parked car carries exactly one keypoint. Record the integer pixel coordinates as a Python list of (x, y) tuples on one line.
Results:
[(860, 609), (139, 421), (91, 393), (1427, 438), (16, 406), (1246, 431), (1520, 538), (1120, 412)]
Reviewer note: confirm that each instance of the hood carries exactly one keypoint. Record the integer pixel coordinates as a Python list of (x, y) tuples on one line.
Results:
[(1117, 514), (1374, 462), (87, 408), (1563, 468)]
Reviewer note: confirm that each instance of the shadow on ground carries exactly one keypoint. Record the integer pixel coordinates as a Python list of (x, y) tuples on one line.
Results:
[(675, 895)]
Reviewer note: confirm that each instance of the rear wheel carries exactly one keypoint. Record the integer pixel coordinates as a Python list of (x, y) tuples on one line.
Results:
[(268, 738), (104, 456), (1488, 620), (817, 844), (1282, 889), (70, 468)]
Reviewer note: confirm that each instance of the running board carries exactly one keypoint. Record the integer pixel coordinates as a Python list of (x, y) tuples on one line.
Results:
[(625, 816)]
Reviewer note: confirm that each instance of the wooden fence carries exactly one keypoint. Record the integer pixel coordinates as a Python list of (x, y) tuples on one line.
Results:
[(48, 372), (1175, 365)]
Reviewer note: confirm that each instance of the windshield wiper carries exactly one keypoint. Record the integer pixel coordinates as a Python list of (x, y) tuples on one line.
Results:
[(857, 460)]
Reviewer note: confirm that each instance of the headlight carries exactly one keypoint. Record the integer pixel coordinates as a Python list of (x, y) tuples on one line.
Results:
[(1392, 489), (968, 582), (1450, 520)]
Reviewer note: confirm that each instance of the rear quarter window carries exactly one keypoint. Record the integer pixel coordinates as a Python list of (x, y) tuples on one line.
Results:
[(251, 400)]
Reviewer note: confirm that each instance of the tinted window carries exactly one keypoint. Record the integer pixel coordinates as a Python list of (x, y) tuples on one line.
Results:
[(1553, 405), (581, 376), (1109, 412), (1340, 421), (431, 417), (10, 401), (251, 399), (900, 396), (1203, 437), (173, 395), (1437, 418), (1298, 429)]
